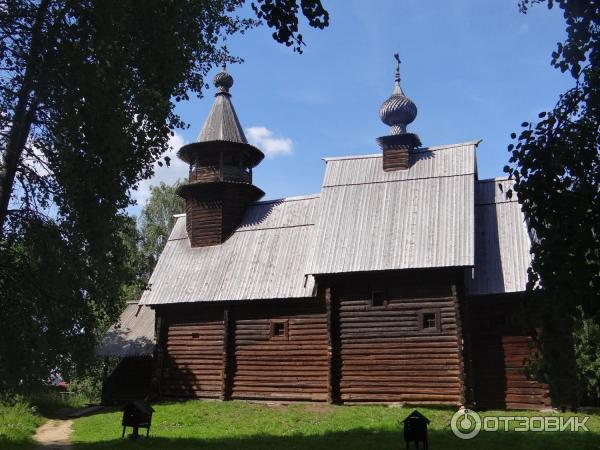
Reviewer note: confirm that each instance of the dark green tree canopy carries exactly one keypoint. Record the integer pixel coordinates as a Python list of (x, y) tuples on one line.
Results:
[(87, 97), (556, 166)]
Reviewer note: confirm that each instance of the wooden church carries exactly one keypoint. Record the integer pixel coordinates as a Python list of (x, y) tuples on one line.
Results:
[(397, 282)]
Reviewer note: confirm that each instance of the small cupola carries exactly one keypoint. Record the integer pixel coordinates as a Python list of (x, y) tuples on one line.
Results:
[(219, 186), (397, 112)]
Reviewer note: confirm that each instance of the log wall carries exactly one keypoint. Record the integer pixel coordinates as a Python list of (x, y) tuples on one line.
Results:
[(383, 353), (193, 360), (500, 351), (215, 211), (225, 350), (288, 367)]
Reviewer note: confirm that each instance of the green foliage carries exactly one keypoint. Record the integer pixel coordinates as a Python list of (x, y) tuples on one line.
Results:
[(283, 16), (18, 422), (87, 97), (156, 221), (587, 351), (556, 166)]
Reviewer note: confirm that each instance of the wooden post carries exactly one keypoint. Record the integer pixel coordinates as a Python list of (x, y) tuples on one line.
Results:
[(333, 381), (227, 371), (467, 350), (160, 334), (461, 346)]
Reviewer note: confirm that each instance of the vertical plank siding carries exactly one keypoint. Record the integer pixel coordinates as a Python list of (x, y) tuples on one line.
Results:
[(500, 351)]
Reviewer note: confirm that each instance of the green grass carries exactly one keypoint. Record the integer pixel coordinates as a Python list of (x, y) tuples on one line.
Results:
[(239, 425), (20, 418), (205, 425), (17, 425)]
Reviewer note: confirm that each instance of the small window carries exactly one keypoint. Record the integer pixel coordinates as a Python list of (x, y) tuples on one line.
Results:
[(429, 321), (279, 329), (378, 298)]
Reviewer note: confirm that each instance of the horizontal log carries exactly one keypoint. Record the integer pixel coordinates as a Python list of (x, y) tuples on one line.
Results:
[(274, 389), (418, 377), (283, 384), (290, 353), (399, 351), (366, 361), (429, 392), (398, 306), (406, 386), (267, 378), (284, 372), (400, 338), (400, 345), (177, 361), (419, 399), (279, 396), (278, 345), (424, 367)]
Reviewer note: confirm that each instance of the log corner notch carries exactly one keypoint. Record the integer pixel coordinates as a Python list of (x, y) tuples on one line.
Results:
[(461, 346), (333, 348), (228, 369)]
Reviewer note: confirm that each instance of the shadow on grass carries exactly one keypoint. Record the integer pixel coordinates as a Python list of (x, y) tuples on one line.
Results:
[(7, 444), (359, 439)]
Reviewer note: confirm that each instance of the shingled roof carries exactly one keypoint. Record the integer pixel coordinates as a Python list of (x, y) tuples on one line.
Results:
[(132, 335), (265, 258), (435, 214), (502, 241), (222, 123), (406, 219)]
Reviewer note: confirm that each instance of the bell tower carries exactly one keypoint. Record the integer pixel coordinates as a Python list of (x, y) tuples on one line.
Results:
[(219, 186)]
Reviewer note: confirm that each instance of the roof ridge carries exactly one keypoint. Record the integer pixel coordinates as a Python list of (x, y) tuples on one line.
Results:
[(417, 150), (490, 180), (466, 174), (287, 199)]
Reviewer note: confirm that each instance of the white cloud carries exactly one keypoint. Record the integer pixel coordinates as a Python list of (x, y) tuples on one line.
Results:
[(263, 138), (169, 174)]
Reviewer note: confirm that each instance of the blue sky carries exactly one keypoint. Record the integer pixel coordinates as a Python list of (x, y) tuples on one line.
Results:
[(476, 69)]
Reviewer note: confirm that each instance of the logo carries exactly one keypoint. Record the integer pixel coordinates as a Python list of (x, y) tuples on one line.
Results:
[(465, 424)]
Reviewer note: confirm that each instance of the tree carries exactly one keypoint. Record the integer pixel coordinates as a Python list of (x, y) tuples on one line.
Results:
[(556, 167), (87, 96), (156, 221)]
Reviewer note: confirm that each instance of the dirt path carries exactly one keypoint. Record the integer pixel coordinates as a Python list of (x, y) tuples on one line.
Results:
[(54, 435)]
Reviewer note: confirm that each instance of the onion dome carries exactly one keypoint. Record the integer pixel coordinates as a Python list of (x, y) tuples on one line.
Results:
[(398, 110), (223, 82)]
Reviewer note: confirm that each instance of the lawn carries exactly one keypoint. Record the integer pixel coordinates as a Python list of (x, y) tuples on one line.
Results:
[(19, 420), (17, 425), (239, 425)]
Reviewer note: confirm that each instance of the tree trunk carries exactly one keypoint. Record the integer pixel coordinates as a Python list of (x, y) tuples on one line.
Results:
[(23, 116)]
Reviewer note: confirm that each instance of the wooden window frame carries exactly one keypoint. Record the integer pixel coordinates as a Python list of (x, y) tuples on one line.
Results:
[(286, 329), (385, 301), (438, 320)]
